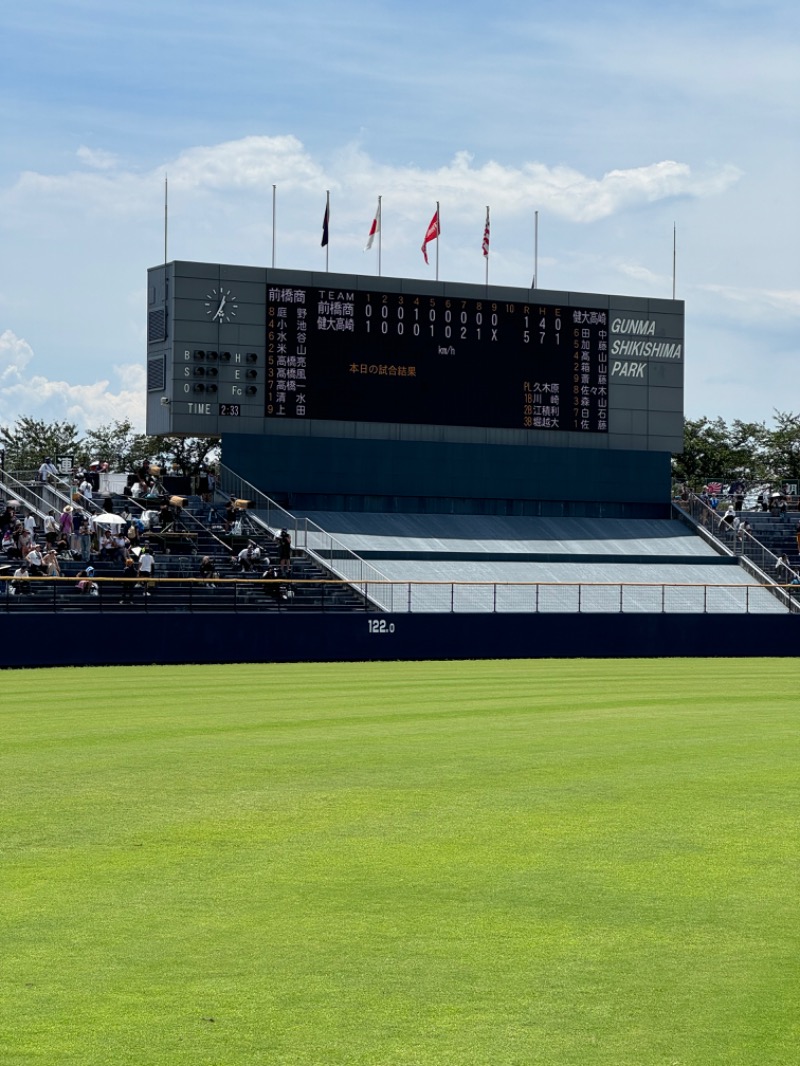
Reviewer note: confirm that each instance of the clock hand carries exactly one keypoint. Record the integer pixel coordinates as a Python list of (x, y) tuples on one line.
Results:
[(219, 309)]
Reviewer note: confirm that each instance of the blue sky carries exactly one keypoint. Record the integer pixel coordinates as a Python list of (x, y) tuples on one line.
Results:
[(613, 120)]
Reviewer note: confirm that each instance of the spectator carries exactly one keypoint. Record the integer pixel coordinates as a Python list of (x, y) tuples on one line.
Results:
[(86, 584), (208, 572), (120, 547), (51, 564), (51, 528), (782, 570), (65, 521), (248, 556), (48, 472), (35, 561), (21, 585), (129, 584), (284, 552), (85, 489), (106, 546), (24, 541), (146, 569), (726, 521), (274, 589), (82, 536)]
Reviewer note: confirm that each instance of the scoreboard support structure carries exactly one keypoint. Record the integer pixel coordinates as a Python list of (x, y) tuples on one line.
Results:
[(368, 392)]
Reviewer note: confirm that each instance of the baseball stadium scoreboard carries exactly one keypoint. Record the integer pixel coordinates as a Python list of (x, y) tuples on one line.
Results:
[(268, 351)]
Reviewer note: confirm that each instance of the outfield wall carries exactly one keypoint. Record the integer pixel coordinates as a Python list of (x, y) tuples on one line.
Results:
[(51, 640)]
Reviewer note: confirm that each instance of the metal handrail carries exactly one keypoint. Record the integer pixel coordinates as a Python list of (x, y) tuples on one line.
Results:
[(320, 545), (181, 593), (753, 556)]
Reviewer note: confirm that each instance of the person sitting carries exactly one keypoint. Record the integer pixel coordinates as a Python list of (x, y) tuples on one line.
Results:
[(61, 547), (21, 585), (86, 585), (35, 562), (9, 545), (208, 572), (273, 588), (51, 564)]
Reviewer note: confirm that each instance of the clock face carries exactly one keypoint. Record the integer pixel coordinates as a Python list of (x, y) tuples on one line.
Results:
[(221, 305)]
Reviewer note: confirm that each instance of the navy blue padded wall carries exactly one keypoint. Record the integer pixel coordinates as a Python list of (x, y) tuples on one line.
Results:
[(307, 472)]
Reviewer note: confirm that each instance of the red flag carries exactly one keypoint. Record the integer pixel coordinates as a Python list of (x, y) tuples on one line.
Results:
[(485, 244), (374, 228), (431, 233)]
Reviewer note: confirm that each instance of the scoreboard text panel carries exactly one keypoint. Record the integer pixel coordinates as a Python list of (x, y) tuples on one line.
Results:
[(360, 356)]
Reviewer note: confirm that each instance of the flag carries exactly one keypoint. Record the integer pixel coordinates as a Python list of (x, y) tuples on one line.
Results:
[(375, 227), (485, 245), (431, 233), (325, 219)]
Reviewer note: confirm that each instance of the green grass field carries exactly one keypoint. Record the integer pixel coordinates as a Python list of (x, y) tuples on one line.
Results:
[(586, 862)]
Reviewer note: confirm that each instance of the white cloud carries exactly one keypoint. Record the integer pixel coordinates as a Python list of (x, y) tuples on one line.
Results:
[(88, 406), (256, 163), (96, 158), (758, 302)]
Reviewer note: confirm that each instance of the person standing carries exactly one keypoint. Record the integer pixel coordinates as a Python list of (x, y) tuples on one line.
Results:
[(51, 529), (146, 569), (85, 489), (128, 586), (284, 552)]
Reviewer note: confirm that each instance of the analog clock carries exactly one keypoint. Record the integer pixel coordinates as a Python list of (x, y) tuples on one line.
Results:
[(221, 305)]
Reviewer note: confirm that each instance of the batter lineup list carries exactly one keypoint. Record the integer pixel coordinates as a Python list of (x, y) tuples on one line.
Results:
[(391, 357)]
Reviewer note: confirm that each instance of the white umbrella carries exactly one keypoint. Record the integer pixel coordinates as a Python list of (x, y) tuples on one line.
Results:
[(105, 519)]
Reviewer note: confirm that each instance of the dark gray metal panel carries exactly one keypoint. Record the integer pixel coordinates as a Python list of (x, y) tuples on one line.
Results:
[(640, 419), (628, 397), (666, 400), (243, 276), (666, 424), (669, 374), (183, 269)]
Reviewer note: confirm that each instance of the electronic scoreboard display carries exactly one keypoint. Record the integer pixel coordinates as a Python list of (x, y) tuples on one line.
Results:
[(300, 354), (362, 356)]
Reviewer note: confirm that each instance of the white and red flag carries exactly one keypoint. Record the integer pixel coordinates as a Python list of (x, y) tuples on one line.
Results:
[(485, 244), (431, 233), (375, 228)]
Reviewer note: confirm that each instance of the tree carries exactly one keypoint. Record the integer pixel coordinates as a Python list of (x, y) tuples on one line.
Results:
[(112, 443), (189, 453), (29, 442), (784, 447), (713, 450)]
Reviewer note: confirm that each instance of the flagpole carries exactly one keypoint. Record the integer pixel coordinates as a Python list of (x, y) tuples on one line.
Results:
[(674, 256), (380, 234), (535, 250), (166, 219), (438, 237), (328, 218), (274, 188)]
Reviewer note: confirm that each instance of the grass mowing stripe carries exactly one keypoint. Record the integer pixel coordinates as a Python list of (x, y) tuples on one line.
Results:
[(503, 862)]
